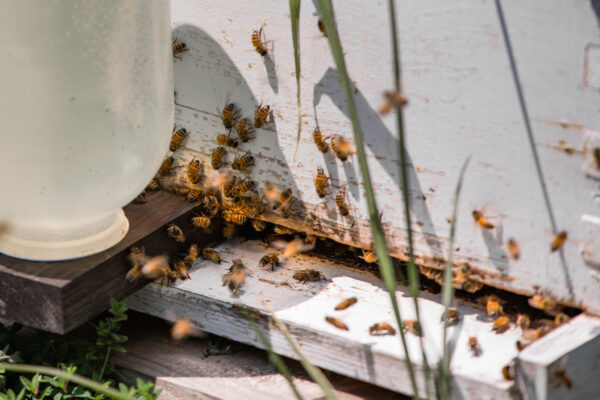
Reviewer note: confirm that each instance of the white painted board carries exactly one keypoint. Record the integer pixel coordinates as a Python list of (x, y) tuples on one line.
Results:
[(462, 102)]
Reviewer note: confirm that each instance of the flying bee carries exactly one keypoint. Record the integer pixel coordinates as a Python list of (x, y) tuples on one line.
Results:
[(228, 230), (181, 329), (211, 255), (501, 324), (513, 249), (560, 319), (194, 195), (474, 346), (243, 129), (321, 26), (166, 166), (369, 256), (233, 217), (349, 302), (596, 153), (243, 162), (137, 256), (182, 270), (283, 230), (176, 233), (262, 113), (337, 323), (494, 306), (228, 115), (153, 185), (282, 198), (155, 267), (141, 198), (309, 275), (178, 48), (481, 220), (226, 140), (217, 157), (259, 225), (269, 260), (392, 99), (340, 202), (559, 241), (413, 327), (201, 222), (542, 302), (257, 42), (453, 316), (234, 280), (320, 140), (271, 192), (381, 329), (134, 274), (321, 183), (341, 147), (177, 138), (523, 321), (194, 171)]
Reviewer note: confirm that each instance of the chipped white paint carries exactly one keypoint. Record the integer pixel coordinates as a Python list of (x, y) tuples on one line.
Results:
[(463, 103), (303, 307)]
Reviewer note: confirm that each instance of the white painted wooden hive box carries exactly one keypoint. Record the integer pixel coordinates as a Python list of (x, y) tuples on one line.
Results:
[(463, 102)]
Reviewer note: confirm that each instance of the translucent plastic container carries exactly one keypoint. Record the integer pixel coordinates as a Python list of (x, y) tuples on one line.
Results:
[(86, 113)]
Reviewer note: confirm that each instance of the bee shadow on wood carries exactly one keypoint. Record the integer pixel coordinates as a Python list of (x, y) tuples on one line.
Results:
[(383, 144), (493, 240), (271, 72)]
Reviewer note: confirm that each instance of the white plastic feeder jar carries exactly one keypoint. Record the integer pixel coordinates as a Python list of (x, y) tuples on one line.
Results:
[(86, 114)]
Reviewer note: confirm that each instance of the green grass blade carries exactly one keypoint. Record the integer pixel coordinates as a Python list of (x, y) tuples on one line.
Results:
[(274, 358), (385, 263), (295, 13), (448, 293), (413, 275), (78, 379), (315, 373)]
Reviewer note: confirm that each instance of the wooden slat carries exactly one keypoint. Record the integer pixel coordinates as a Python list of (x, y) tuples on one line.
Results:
[(377, 360), (59, 296)]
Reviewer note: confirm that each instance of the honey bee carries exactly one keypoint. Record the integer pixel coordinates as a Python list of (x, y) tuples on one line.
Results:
[(596, 153), (210, 206), (523, 321), (153, 185), (513, 249), (392, 99), (501, 324), (282, 198), (341, 147), (560, 376), (191, 255), (282, 230), (177, 138), (262, 113), (245, 186), (340, 202), (211, 255), (217, 157), (349, 302), (166, 166), (494, 306), (228, 230), (176, 233), (369, 256), (226, 140), (309, 275), (155, 267), (559, 241), (259, 225), (194, 195), (544, 303), (235, 280), (413, 327), (521, 345), (201, 222), (193, 171), (259, 45), (285, 210), (137, 256), (481, 220), (228, 115), (472, 286), (233, 217), (508, 372), (381, 328), (182, 270), (229, 185), (321, 183), (269, 260), (179, 190), (337, 323), (453, 316), (134, 274), (178, 48), (141, 198), (310, 239), (181, 329), (560, 319), (474, 346), (243, 162), (320, 140), (321, 26), (243, 129)]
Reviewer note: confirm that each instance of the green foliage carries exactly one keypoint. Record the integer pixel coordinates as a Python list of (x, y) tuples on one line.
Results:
[(90, 359)]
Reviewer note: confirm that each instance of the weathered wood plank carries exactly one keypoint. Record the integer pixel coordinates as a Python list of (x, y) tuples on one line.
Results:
[(303, 307), (59, 296), (463, 103)]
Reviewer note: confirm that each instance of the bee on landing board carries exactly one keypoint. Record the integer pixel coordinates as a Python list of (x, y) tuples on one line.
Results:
[(194, 171), (508, 371), (182, 270), (226, 140), (494, 306), (201, 222), (453, 316), (211, 255), (381, 329), (542, 302), (523, 321), (558, 241), (320, 140), (217, 157), (270, 260), (153, 185), (243, 129), (165, 167), (228, 115), (474, 346), (413, 327), (308, 275), (262, 113), (513, 249), (340, 202), (282, 198), (259, 225), (178, 48), (337, 323), (501, 324), (321, 183), (243, 162), (176, 233), (177, 138), (349, 302), (258, 44), (234, 217)]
